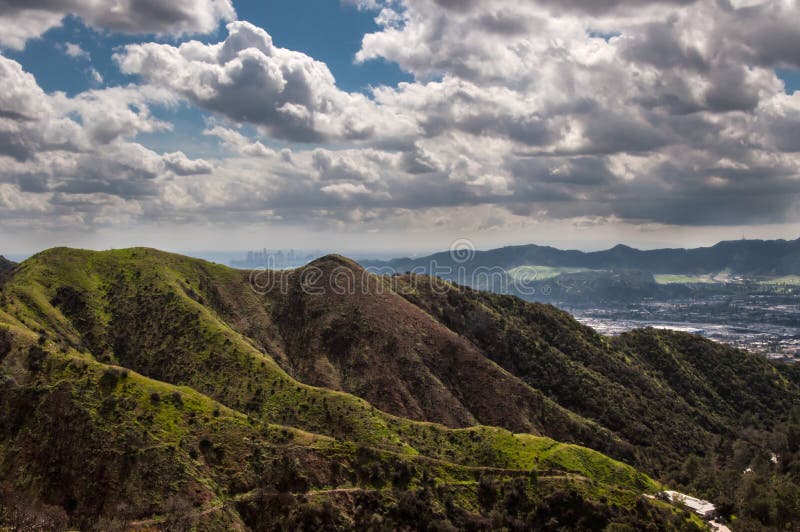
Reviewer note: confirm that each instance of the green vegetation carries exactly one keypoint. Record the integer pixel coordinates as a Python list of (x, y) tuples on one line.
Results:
[(129, 399), (141, 388), (671, 398)]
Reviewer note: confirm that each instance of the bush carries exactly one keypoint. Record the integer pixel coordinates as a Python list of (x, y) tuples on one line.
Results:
[(109, 379), (177, 398)]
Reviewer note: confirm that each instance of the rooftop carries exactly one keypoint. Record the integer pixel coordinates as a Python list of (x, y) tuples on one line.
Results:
[(699, 506)]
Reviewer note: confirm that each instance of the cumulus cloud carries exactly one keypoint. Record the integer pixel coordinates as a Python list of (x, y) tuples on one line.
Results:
[(680, 91), (239, 143), (32, 122), (341, 167), (248, 79), (67, 156), (180, 164), (21, 20), (29, 122)]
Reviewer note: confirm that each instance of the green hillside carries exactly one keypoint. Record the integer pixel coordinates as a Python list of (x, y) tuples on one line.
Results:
[(623, 384), (128, 401), (141, 386)]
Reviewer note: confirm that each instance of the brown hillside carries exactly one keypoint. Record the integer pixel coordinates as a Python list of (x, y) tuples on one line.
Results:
[(334, 325)]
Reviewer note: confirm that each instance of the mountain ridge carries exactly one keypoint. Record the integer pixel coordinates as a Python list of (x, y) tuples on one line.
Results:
[(762, 257), (269, 350), (121, 348)]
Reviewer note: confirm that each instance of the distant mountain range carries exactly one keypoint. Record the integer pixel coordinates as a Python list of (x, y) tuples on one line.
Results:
[(747, 257), (142, 389)]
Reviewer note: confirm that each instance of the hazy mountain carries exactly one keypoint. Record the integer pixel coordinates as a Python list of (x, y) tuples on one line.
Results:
[(136, 383), (758, 257)]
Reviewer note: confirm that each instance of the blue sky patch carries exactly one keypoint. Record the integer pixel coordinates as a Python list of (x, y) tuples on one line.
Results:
[(791, 79)]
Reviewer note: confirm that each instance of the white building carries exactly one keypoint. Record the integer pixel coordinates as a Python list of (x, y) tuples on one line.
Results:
[(704, 509)]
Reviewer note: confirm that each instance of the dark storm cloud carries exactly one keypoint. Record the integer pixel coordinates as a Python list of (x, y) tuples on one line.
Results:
[(32, 182), (608, 132), (504, 23)]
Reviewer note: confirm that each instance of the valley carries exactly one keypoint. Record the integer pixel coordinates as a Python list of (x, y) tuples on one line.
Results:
[(742, 293), (765, 324)]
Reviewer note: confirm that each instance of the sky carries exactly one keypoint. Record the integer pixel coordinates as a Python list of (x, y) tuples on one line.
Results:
[(397, 125)]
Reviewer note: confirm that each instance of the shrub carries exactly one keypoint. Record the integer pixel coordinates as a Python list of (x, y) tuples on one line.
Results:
[(177, 399), (109, 379)]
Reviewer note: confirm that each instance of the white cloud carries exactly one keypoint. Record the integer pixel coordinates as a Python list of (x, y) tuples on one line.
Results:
[(344, 167), (113, 113), (180, 164), (75, 50), (562, 90), (238, 143), (16, 28), (29, 121), (21, 20), (75, 154), (247, 79)]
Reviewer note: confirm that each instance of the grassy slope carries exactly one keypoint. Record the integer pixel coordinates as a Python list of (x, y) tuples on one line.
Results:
[(668, 394), (148, 442), (154, 313)]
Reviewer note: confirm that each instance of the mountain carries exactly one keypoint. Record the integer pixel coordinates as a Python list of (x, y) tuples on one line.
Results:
[(138, 388), (752, 257), (5, 266), (130, 398)]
